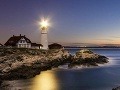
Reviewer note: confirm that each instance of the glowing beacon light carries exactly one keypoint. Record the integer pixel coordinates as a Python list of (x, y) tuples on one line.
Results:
[(44, 27)]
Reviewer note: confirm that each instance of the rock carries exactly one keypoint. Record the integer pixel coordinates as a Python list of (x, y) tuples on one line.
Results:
[(21, 63), (88, 58), (117, 88), (26, 63), (7, 69)]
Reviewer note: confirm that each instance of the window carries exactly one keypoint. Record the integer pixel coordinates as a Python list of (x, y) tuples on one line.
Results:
[(19, 45), (23, 41), (20, 41)]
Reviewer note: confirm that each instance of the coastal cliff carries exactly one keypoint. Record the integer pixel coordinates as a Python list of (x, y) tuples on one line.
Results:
[(26, 63)]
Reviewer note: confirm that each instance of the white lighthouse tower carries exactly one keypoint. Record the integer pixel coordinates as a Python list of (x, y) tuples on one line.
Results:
[(44, 29)]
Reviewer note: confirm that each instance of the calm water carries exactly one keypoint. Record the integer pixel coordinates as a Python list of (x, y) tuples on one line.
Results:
[(99, 78)]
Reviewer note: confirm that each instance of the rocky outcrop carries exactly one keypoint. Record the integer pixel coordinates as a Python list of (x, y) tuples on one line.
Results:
[(117, 88), (26, 63), (87, 58)]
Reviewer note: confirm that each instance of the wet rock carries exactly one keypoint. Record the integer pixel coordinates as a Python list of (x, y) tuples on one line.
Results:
[(27, 63), (88, 58), (117, 88)]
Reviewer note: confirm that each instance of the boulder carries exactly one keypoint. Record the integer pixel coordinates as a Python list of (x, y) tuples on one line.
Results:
[(88, 58)]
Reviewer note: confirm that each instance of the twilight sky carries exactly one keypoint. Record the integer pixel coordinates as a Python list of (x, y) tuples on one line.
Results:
[(72, 21)]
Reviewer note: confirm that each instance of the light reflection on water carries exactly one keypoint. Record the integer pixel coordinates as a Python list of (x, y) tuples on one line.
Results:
[(99, 78), (45, 81)]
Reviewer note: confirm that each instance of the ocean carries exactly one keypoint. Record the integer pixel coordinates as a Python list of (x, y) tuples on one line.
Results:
[(103, 77)]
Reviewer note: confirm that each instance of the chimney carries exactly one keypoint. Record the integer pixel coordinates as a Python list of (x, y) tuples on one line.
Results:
[(20, 34), (13, 35)]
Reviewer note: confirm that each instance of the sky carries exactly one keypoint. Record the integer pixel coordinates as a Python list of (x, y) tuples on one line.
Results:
[(71, 21)]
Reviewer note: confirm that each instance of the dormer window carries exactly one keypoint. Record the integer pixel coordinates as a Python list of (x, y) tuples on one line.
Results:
[(20, 41), (23, 41)]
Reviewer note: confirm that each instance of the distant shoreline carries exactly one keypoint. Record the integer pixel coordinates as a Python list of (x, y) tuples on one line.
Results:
[(91, 47)]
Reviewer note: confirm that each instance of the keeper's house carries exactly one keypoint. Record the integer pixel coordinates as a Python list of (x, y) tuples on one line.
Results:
[(21, 42)]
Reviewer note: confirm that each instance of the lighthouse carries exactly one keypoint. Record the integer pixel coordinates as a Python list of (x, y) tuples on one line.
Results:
[(44, 29)]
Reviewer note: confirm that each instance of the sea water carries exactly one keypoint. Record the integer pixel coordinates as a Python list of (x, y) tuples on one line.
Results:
[(104, 77)]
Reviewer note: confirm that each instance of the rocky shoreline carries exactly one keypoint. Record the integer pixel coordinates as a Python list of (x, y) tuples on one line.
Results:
[(27, 63), (87, 58), (117, 88)]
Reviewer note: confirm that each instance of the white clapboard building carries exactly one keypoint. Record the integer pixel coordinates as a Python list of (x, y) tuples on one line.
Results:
[(21, 42)]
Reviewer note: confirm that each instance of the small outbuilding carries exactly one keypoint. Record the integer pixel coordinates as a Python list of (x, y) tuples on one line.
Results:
[(55, 46), (36, 46)]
